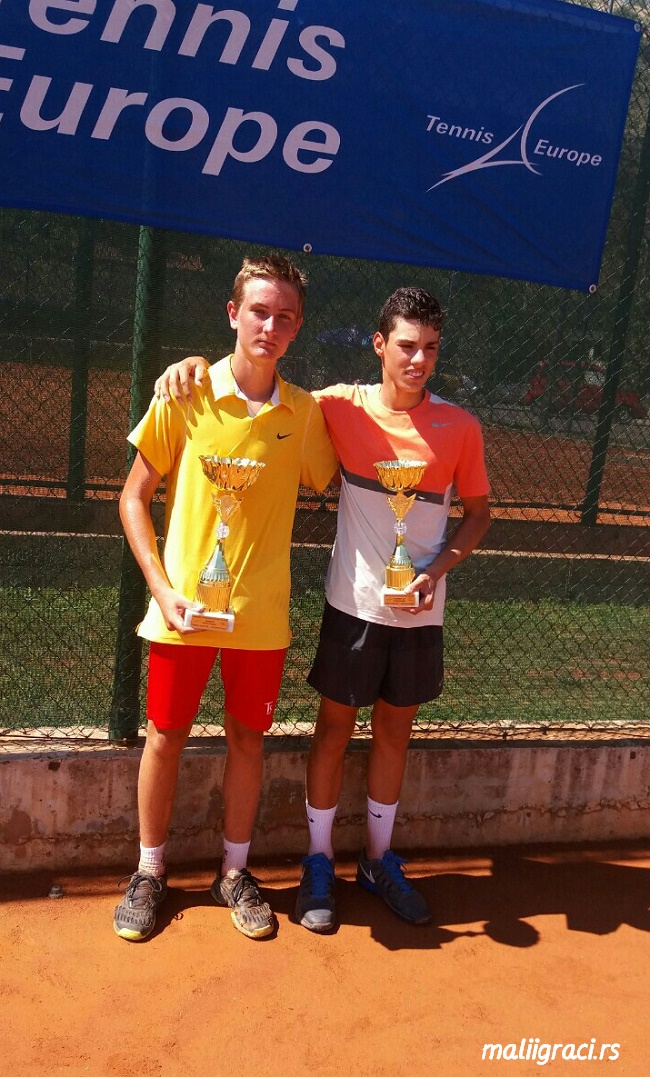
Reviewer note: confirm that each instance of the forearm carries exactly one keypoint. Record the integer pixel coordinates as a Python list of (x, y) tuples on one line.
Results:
[(464, 539), (140, 534)]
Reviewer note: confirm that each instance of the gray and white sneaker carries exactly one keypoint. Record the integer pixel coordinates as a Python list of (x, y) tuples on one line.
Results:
[(315, 907), (386, 878), (249, 912), (135, 916)]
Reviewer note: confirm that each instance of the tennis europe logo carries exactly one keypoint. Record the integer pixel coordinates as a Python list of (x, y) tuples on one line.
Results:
[(531, 148)]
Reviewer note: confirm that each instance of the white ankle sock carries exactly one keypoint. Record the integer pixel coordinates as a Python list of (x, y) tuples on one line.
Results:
[(235, 855), (152, 860), (321, 821), (381, 819)]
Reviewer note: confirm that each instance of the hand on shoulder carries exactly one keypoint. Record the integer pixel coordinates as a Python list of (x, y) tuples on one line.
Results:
[(177, 380)]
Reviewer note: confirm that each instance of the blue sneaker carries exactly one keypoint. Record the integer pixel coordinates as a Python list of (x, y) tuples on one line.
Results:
[(386, 878), (315, 907)]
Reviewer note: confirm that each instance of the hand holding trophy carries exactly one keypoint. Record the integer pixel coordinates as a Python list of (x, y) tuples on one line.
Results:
[(398, 476), (231, 477)]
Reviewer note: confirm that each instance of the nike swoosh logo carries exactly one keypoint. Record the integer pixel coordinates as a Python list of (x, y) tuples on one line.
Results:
[(281, 437), (376, 814), (441, 424), (368, 874)]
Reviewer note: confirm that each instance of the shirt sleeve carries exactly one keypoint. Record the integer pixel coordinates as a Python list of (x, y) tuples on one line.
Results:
[(160, 434), (470, 476), (319, 461)]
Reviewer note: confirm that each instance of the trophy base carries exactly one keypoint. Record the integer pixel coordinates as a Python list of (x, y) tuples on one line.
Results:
[(215, 622), (390, 596)]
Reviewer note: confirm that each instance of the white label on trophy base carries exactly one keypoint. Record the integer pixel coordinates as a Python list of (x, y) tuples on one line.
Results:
[(215, 622), (407, 599)]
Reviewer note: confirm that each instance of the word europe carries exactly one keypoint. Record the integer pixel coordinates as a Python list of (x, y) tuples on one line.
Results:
[(178, 124)]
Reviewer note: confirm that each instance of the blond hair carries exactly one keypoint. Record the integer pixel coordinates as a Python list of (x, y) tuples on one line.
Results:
[(269, 267)]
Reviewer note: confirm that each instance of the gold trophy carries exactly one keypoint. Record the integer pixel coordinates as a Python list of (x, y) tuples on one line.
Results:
[(398, 476), (231, 476)]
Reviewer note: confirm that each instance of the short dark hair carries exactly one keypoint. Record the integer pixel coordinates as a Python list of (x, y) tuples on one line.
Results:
[(270, 266), (416, 304)]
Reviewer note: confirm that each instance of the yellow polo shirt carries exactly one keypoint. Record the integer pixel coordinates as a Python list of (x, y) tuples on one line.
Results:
[(291, 439)]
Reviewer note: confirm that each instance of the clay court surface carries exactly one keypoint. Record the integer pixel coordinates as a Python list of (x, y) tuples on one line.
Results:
[(525, 466), (525, 943)]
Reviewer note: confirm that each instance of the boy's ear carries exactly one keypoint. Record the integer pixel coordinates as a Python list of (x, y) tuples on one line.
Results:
[(232, 314), (378, 344)]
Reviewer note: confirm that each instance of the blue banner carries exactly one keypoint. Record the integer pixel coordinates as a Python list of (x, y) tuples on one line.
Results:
[(478, 135)]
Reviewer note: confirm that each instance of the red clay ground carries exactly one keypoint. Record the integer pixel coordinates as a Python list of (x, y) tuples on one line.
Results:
[(525, 944), (523, 466)]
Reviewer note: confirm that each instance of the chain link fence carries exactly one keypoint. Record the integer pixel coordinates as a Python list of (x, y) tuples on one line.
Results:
[(546, 625)]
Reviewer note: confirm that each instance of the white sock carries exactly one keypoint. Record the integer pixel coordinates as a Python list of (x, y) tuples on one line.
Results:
[(321, 821), (381, 819), (152, 861), (235, 855)]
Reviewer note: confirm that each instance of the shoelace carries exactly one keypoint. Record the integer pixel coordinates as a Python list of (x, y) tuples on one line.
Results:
[(392, 865), (321, 878), (135, 881), (245, 890)]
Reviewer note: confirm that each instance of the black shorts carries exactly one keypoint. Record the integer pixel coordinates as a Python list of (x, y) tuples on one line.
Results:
[(358, 662)]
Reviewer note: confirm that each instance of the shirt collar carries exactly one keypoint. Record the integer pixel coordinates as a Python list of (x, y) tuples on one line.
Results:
[(224, 384)]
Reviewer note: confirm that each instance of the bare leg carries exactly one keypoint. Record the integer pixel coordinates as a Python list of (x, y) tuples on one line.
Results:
[(391, 732), (157, 781), (242, 779), (382, 873), (334, 727)]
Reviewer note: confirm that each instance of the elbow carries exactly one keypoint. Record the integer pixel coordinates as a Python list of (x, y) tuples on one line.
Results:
[(486, 520), (127, 506)]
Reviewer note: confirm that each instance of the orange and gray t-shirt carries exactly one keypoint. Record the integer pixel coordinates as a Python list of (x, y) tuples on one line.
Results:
[(364, 431)]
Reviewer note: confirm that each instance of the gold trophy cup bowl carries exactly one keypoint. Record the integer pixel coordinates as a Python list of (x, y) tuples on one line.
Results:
[(398, 476), (231, 476)]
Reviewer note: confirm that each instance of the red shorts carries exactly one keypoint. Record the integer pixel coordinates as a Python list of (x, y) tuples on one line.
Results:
[(178, 676)]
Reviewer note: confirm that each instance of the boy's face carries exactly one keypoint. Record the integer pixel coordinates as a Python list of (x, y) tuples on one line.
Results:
[(267, 319), (408, 357)]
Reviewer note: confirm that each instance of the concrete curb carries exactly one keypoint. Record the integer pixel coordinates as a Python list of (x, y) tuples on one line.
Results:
[(77, 809)]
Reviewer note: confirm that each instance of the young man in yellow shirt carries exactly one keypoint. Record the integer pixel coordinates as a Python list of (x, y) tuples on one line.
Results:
[(244, 409)]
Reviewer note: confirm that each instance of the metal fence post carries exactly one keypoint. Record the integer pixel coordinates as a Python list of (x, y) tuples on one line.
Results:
[(84, 269), (619, 335), (147, 333)]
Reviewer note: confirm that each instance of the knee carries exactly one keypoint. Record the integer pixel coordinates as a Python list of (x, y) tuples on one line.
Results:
[(165, 743), (244, 742), (391, 737), (329, 738)]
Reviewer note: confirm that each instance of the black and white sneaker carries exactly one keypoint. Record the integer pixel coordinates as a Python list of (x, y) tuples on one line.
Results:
[(386, 878)]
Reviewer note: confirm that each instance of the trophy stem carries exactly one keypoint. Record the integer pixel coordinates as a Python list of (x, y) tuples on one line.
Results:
[(399, 570), (214, 584)]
